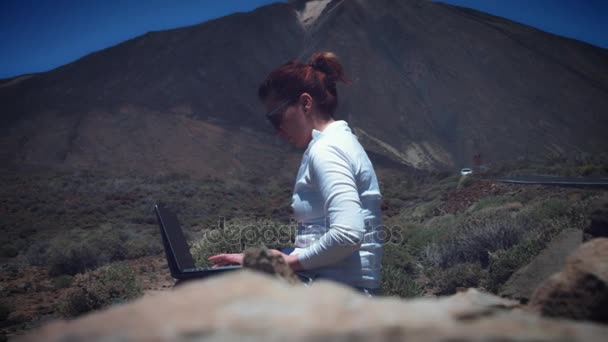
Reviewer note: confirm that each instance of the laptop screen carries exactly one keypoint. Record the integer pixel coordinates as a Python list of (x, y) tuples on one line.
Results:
[(176, 247)]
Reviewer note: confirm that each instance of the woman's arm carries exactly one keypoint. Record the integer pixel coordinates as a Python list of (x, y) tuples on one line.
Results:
[(332, 169), (333, 172)]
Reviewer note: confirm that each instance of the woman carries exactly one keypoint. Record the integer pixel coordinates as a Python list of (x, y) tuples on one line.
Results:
[(336, 198)]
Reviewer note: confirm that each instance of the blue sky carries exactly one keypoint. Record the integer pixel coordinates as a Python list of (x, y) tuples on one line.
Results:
[(585, 20), (39, 35)]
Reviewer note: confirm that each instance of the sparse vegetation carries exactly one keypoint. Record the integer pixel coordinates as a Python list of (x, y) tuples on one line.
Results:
[(461, 275), (483, 247), (79, 227), (397, 282), (108, 285), (556, 164), (78, 251)]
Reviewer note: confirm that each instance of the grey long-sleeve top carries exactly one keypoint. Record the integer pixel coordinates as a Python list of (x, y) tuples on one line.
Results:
[(336, 202)]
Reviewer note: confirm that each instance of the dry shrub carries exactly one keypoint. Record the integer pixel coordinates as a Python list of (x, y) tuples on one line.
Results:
[(460, 276), (103, 287), (503, 263), (497, 243), (399, 282), (473, 240), (79, 251), (66, 256)]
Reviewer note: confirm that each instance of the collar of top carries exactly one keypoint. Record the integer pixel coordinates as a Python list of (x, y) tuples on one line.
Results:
[(334, 126)]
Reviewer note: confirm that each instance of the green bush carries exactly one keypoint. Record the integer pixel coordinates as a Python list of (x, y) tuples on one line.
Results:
[(554, 215), (417, 237), (94, 290), (463, 275), (78, 251), (473, 239), (503, 263), (71, 257), (394, 255), (550, 209), (398, 282), (548, 218), (492, 244)]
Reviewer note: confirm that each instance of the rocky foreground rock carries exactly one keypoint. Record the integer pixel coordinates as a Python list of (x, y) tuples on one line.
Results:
[(580, 290), (245, 305)]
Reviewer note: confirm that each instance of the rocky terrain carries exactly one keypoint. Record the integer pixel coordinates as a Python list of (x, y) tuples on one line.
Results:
[(257, 307), (500, 238)]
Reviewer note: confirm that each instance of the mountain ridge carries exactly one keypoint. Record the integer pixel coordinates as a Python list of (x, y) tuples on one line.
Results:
[(433, 82)]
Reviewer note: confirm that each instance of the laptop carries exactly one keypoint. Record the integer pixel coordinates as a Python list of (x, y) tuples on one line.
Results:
[(181, 263)]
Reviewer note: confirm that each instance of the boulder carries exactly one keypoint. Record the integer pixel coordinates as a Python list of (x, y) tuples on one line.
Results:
[(551, 260), (580, 291), (245, 305)]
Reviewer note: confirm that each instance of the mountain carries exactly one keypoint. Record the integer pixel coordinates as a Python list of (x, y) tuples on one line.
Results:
[(432, 85)]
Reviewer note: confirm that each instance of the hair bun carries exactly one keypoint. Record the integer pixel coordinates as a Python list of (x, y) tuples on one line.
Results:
[(328, 63)]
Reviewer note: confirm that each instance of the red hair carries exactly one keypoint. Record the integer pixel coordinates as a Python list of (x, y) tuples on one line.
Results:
[(317, 78)]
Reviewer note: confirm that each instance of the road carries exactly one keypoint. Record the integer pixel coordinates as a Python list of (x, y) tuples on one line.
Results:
[(560, 181)]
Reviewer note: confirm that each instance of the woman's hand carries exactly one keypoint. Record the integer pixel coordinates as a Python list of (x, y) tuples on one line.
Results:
[(226, 259), (290, 259)]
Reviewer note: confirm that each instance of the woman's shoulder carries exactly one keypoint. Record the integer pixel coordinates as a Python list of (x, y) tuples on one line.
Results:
[(339, 145), (339, 136)]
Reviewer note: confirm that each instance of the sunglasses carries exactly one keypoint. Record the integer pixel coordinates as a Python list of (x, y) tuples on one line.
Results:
[(275, 116)]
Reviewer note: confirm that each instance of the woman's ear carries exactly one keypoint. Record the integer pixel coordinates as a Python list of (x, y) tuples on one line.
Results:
[(306, 102)]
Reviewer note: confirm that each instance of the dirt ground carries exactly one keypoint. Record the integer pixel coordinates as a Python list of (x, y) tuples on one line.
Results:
[(460, 199), (35, 298)]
